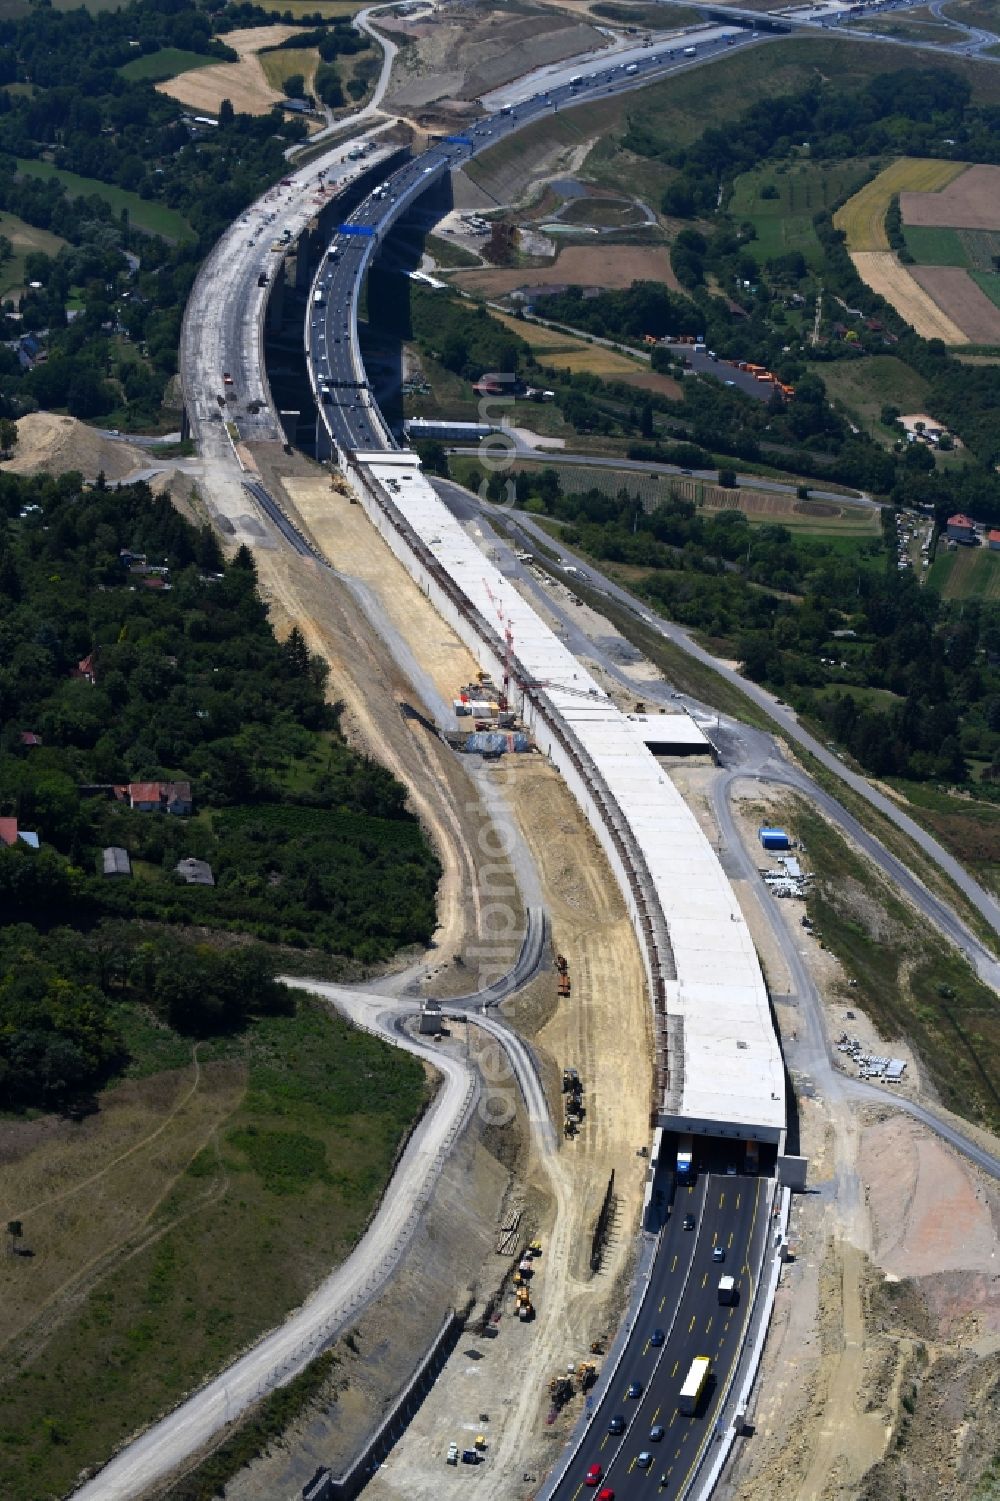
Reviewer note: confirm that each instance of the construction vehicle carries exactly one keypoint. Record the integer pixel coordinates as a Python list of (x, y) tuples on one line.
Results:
[(570, 1081), (452, 1454), (563, 987), (586, 1375), (535, 1249), (560, 1390), (569, 1127), (525, 1311)]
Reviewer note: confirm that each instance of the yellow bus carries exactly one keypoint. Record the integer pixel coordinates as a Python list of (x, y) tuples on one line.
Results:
[(694, 1385)]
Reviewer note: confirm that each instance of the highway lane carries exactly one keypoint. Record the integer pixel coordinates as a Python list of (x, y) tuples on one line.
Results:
[(682, 1301), (558, 456), (349, 411), (740, 744)]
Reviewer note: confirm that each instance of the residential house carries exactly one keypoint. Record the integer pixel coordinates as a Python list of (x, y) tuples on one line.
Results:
[(195, 872), (961, 529), (85, 669), (157, 797), (993, 541), (10, 834), (29, 739)]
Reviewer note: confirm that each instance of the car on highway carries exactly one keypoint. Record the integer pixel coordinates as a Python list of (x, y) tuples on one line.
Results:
[(656, 1434), (634, 1390), (718, 1253), (594, 1475), (644, 1460), (617, 1424), (656, 1338), (607, 1494), (689, 1222)]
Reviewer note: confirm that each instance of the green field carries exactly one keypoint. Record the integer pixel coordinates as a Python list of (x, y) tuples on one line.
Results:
[(654, 16), (967, 573), (167, 63), (330, 10), (24, 238), (920, 26), (151, 218), (804, 189), (865, 386), (280, 63), (301, 1120), (982, 13), (679, 109), (988, 282), (12, 10), (933, 246)]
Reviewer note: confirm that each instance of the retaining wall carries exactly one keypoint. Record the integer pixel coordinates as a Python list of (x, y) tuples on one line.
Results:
[(555, 737)]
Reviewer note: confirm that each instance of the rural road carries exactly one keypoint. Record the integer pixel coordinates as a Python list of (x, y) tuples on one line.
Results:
[(558, 456), (349, 123)]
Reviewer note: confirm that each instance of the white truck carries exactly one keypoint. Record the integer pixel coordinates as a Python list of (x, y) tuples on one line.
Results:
[(694, 1385), (690, 52), (727, 1290)]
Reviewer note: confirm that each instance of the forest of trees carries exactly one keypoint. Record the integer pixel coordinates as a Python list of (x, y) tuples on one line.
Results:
[(76, 109), (310, 844), (774, 601)]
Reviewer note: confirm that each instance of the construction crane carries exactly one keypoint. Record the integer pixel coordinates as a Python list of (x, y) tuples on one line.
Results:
[(508, 638), (596, 695)]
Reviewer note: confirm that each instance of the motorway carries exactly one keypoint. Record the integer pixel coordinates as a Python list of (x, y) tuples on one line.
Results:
[(340, 385), (222, 322), (682, 1301)]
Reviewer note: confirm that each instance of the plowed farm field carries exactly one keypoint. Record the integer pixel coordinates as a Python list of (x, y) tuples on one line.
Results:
[(614, 267), (969, 201), (881, 271), (961, 300), (862, 217)]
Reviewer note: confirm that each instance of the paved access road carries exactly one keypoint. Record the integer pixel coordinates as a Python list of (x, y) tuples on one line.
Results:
[(682, 1301), (938, 912), (288, 1349), (558, 456)]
